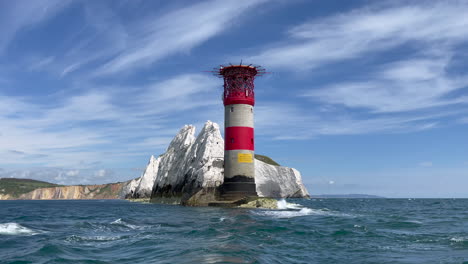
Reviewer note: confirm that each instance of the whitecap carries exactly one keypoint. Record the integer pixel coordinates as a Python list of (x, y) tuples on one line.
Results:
[(296, 213), (283, 205), (76, 238), (123, 223), (16, 229), (457, 239), (414, 222)]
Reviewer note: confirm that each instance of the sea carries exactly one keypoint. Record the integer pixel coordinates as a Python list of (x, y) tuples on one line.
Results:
[(301, 231)]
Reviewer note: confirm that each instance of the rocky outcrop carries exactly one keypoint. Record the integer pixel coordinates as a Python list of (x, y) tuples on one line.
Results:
[(128, 188), (141, 187), (192, 168), (278, 181), (5, 197), (190, 165), (148, 178), (189, 172), (74, 192)]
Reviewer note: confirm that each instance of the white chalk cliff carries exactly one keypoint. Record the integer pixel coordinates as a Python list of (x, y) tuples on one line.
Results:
[(192, 167)]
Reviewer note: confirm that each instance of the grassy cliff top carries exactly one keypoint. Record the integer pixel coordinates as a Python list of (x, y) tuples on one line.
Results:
[(15, 187), (266, 159)]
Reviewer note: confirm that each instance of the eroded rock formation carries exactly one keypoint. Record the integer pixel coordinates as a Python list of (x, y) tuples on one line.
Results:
[(192, 168)]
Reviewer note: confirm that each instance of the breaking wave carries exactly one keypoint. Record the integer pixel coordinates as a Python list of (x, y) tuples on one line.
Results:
[(289, 210), (16, 229), (283, 205), (126, 224), (77, 238)]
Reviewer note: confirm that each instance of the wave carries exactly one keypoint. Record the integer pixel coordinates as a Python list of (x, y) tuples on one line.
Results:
[(288, 214), (126, 224), (458, 239), (289, 210), (283, 205), (77, 238), (301, 212), (16, 229)]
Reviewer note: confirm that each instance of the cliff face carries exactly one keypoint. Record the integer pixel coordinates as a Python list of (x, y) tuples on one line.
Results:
[(141, 187), (104, 191), (189, 165), (278, 181), (192, 168)]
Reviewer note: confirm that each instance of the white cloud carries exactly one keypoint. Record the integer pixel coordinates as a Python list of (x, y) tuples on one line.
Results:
[(20, 14), (72, 173), (393, 96), (431, 25), (463, 120), (402, 86), (67, 176), (283, 121), (101, 124), (175, 32), (426, 164), (100, 173)]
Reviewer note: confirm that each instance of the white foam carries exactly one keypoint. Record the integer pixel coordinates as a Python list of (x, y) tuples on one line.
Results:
[(283, 205), (15, 229), (123, 223), (457, 239), (76, 238), (414, 222), (296, 213)]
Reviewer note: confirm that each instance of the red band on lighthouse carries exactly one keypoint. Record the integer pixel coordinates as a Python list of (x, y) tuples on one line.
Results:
[(239, 138)]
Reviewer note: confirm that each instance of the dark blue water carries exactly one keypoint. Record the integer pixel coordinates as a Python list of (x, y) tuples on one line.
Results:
[(317, 231)]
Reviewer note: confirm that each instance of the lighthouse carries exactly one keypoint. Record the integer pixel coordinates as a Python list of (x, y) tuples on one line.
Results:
[(239, 101)]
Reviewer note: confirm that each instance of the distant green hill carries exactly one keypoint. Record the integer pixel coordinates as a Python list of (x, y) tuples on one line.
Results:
[(266, 159), (15, 187)]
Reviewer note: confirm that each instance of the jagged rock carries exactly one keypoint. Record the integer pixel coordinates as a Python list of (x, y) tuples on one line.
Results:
[(264, 203), (146, 182), (278, 181), (190, 164), (128, 188), (191, 169)]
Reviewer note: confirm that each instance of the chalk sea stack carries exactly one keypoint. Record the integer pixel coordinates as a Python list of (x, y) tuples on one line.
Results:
[(191, 172)]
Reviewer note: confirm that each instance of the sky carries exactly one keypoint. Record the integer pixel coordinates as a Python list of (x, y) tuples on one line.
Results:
[(360, 96)]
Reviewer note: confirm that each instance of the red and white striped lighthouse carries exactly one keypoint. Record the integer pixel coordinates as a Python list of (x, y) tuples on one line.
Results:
[(239, 101)]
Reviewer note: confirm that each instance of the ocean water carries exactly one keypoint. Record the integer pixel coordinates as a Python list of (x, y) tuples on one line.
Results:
[(303, 231)]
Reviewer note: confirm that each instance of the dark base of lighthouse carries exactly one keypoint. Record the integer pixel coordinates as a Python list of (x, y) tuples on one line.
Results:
[(237, 187)]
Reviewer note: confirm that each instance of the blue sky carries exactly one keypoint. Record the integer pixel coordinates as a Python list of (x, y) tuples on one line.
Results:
[(362, 96)]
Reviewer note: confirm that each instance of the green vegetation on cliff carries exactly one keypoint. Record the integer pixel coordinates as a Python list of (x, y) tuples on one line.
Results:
[(266, 159), (15, 187)]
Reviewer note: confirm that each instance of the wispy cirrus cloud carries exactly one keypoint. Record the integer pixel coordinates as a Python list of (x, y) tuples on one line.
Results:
[(82, 128), (408, 85), (425, 164), (463, 120), (299, 124), (113, 44), (175, 32), (354, 34), (385, 95), (17, 15)]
